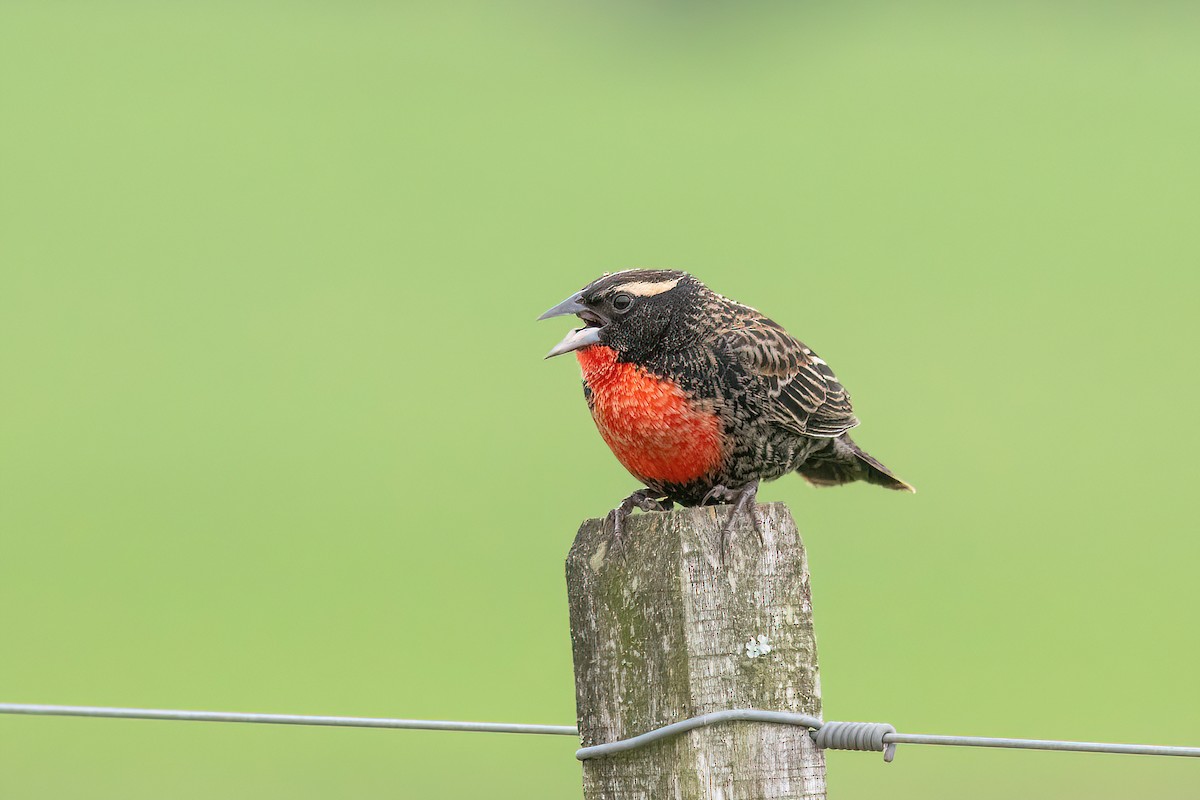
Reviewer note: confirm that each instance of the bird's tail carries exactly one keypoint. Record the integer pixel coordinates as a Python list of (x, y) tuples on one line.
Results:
[(843, 461)]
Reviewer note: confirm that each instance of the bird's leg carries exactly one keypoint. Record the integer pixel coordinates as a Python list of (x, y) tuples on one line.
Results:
[(743, 501), (645, 499)]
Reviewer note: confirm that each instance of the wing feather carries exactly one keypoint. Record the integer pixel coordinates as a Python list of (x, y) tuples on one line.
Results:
[(801, 392)]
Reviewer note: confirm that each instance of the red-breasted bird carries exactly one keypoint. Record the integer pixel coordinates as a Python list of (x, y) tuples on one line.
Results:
[(701, 397)]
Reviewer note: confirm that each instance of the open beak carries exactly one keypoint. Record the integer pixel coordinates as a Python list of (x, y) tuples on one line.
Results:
[(580, 337)]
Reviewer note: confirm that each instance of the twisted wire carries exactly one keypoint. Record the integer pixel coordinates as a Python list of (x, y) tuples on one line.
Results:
[(856, 736)]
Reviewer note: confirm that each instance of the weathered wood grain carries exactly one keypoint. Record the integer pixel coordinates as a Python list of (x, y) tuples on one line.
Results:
[(660, 630)]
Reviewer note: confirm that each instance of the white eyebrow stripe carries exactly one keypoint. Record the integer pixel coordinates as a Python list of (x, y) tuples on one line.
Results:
[(646, 288)]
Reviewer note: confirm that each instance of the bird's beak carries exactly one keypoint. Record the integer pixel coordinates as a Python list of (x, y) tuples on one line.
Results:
[(580, 337), (569, 306), (575, 340)]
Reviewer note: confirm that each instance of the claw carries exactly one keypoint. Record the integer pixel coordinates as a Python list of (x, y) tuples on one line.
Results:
[(646, 500), (743, 501)]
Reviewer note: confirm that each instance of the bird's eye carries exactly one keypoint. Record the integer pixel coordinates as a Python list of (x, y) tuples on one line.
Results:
[(622, 302)]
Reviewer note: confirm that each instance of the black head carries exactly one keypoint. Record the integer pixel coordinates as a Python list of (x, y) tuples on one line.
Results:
[(636, 312)]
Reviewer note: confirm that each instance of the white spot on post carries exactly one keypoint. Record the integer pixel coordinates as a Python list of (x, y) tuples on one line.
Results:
[(758, 646), (597, 559)]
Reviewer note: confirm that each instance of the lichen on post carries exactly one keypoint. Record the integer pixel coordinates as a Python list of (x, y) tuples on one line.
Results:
[(662, 630)]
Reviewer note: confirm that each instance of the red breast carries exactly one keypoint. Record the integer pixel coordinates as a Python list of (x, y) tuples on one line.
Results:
[(648, 422)]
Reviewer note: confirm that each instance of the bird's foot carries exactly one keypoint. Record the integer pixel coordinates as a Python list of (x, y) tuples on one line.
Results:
[(743, 500), (646, 500)]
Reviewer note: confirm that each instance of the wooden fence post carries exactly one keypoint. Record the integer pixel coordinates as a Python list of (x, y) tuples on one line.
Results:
[(662, 631)]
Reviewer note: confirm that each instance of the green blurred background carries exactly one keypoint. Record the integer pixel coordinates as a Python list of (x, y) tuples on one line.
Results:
[(276, 433)]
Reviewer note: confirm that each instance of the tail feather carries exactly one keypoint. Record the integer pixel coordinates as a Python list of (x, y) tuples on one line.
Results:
[(844, 462)]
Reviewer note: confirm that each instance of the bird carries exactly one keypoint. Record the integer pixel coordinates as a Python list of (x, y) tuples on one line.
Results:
[(702, 398)]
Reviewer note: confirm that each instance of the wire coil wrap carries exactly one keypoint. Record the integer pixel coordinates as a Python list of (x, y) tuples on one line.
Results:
[(856, 736)]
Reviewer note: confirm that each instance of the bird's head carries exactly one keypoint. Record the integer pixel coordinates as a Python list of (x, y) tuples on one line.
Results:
[(636, 312)]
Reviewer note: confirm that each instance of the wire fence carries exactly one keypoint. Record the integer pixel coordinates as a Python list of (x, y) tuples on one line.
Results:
[(281, 719), (873, 736)]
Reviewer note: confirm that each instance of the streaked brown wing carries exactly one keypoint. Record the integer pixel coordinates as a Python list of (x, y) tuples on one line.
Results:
[(803, 395)]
